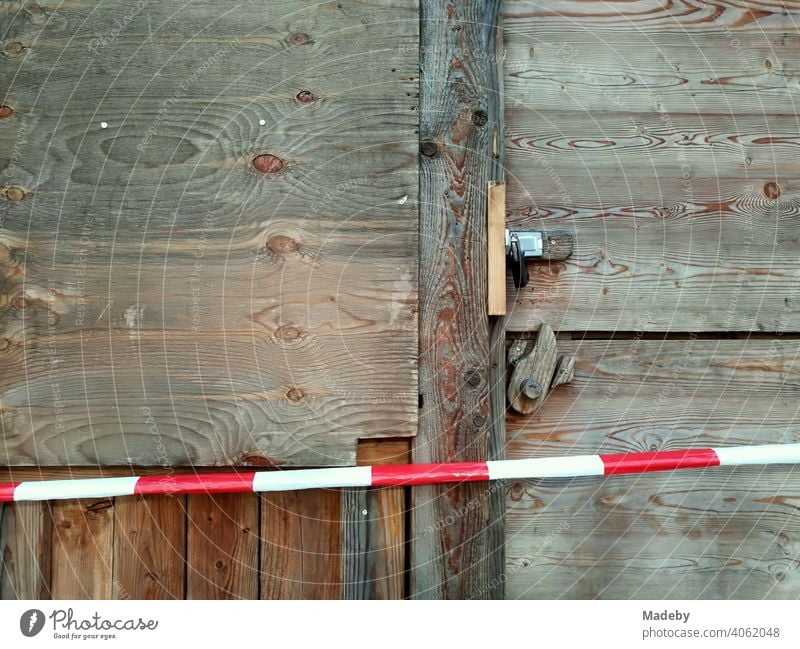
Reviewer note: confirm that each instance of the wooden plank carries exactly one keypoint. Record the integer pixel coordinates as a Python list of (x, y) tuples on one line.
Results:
[(82, 550), (496, 249), (453, 540), (374, 529), (25, 537), (636, 57), (149, 548), (715, 533), (301, 545), (210, 312), (222, 547)]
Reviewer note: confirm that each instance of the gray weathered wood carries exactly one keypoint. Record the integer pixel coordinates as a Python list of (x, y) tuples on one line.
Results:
[(166, 298), (664, 138), (454, 529), (374, 529), (715, 533)]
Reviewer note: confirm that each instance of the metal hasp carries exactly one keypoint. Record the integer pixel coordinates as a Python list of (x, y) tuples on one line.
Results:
[(521, 246)]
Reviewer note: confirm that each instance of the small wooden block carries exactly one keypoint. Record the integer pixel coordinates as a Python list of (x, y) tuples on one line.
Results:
[(556, 245), (539, 366), (496, 253)]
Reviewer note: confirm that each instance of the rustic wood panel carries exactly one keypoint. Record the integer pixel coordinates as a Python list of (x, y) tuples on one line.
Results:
[(301, 545), (453, 541), (374, 529), (222, 547), (664, 138), (643, 56), (715, 533), (82, 549), (25, 543), (185, 272), (150, 548)]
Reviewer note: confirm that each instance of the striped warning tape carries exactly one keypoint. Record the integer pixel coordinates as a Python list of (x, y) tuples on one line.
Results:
[(400, 475)]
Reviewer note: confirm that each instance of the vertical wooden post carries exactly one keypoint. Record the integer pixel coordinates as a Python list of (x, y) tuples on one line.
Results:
[(457, 536), (495, 246)]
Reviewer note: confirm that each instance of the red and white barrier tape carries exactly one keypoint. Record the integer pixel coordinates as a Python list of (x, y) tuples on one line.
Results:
[(400, 475)]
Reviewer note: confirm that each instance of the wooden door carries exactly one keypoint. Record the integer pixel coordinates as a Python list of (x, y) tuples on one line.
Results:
[(665, 140)]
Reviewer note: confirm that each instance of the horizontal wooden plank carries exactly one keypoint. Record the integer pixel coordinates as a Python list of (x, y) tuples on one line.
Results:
[(654, 16), (185, 274), (714, 533)]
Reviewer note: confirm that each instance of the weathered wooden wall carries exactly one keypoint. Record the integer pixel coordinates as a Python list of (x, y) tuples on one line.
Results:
[(208, 241), (664, 136)]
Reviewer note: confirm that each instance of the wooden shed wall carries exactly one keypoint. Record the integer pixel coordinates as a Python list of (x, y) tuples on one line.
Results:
[(664, 136)]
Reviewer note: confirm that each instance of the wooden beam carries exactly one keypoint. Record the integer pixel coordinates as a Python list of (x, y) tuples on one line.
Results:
[(456, 539), (495, 245)]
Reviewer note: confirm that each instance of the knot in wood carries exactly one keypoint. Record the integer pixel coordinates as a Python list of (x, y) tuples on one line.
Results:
[(14, 48), (282, 245), (6, 112), (287, 333), (772, 190), (299, 38), (472, 378), (429, 149), (15, 194), (295, 394), (305, 97), (267, 163)]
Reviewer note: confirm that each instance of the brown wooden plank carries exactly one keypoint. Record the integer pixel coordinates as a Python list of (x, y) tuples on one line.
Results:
[(374, 529), (210, 312), (222, 547), (715, 533), (149, 547), (82, 549), (453, 543), (301, 545), (25, 537)]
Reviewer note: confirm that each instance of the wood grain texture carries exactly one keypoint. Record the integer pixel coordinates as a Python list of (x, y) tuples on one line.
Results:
[(150, 548), (374, 529), (452, 551), (301, 546), (222, 547), (25, 543), (496, 249), (663, 136), (714, 58), (164, 299), (715, 533), (82, 549)]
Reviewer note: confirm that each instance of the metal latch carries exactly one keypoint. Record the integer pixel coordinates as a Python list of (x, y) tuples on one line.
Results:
[(521, 246), (506, 247)]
